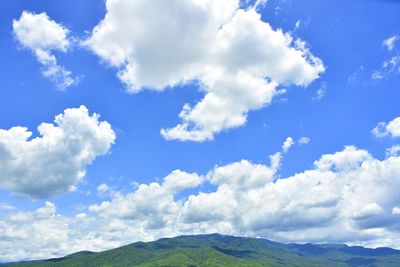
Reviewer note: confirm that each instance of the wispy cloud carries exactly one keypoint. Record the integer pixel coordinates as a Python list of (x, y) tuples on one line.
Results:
[(43, 36), (321, 92), (391, 64), (390, 42)]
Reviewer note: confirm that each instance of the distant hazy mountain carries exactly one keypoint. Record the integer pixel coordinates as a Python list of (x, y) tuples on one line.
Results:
[(219, 250)]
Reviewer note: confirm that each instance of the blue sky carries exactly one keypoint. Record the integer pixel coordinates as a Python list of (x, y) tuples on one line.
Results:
[(335, 102)]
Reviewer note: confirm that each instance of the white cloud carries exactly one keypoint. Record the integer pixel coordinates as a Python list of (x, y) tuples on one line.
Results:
[(393, 151), (55, 161), (287, 144), (348, 196), (260, 3), (390, 42), (391, 65), (43, 36), (356, 75), (44, 233), (17, 228), (297, 25), (153, 204), (384, 129), (396, 210), (5, 206), (304, 140), (103, 188), (243, 175), (234, 57), (349, 158), (321, 92), (178, 180)]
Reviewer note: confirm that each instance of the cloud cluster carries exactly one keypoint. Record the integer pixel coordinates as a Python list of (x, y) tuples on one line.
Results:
[(44, 233), (233, 56), (347, 197), (55, 161), (391, 128), (43, 36)]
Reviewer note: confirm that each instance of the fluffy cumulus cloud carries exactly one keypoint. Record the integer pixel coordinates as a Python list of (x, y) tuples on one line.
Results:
[(348, 196), (233, 56), (153, 203), (44, 233), (43, 36), (55, 161), (391, 128)]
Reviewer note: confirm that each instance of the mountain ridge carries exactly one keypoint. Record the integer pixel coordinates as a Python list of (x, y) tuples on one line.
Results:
[(222, 250)]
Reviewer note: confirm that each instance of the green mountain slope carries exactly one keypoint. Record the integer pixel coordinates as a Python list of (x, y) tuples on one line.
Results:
[(217, 250)]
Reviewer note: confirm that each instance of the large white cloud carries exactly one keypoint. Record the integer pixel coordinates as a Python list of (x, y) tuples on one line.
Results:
[(42, 36), (391, 128), (233, 56), (347, 197), (55, 161)]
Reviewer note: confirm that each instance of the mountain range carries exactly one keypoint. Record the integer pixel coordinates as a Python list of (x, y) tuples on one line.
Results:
[(219, 250)]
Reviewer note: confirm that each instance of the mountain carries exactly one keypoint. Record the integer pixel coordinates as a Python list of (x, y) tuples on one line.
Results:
[(218, 250)]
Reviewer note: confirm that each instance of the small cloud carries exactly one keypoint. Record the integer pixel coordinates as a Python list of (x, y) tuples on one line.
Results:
[(380, 130), (48, 210), (396, 210), (356, 74), (391, 65), (321, 92), (5, 206), (297, 25), (81, 216), (287, 144), (391, 128), (103, 188), (301, 24), (277, 10), (260, 3), (376, 75), (43, 36), (394, 151), (304, 140), (390, 42)]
